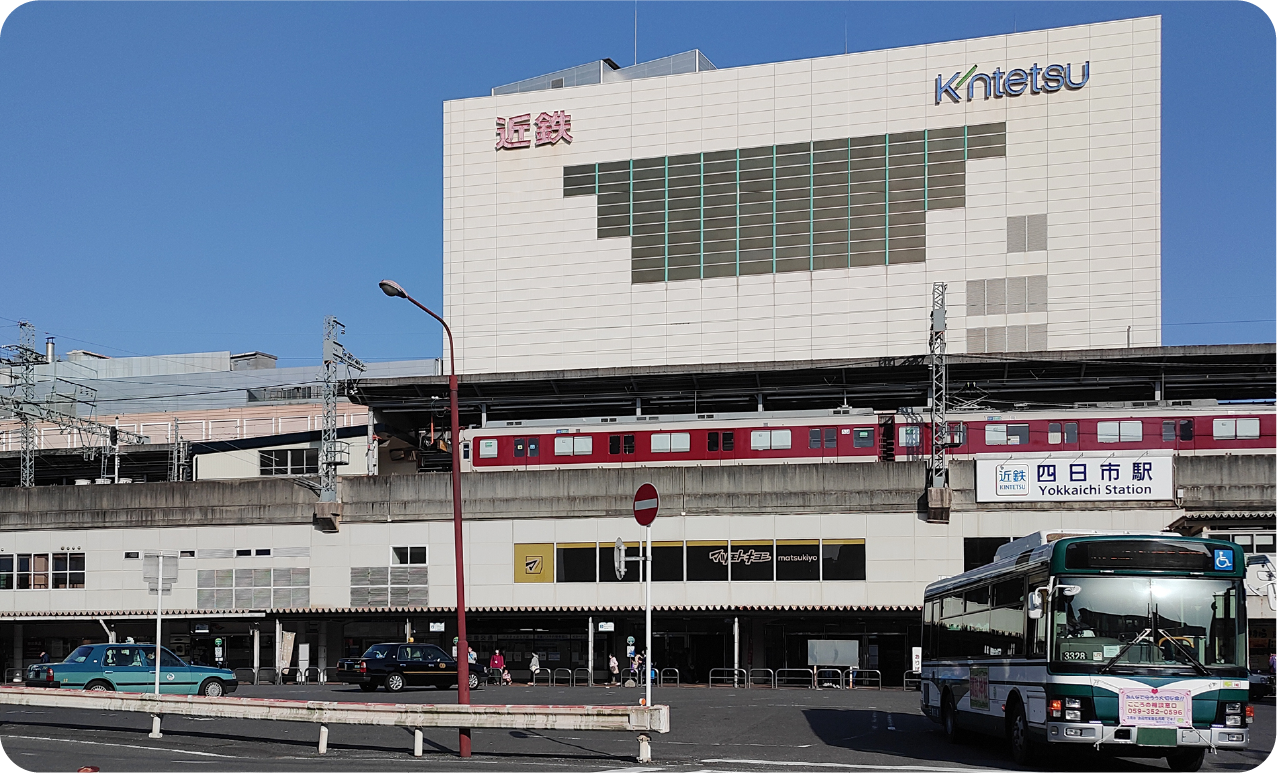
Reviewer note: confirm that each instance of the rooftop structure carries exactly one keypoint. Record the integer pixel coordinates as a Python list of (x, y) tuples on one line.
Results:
[(608, 71)]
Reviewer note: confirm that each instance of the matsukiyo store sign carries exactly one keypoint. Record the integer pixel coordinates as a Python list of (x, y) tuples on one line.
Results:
[(1097, 477)]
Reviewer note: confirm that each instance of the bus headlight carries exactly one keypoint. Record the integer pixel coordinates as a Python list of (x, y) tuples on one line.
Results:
[(1072, 703), (1232, 708), (1233, 720), (1072, 715)]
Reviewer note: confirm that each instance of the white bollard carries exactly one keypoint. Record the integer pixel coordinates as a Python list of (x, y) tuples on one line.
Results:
[(155, 727), (645, 748), (323, 739), (416, 741)]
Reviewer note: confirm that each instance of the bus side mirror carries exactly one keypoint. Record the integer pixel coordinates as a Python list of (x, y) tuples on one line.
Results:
[(1035, 604)]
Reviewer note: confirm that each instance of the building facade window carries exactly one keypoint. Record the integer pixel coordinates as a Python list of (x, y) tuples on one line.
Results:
[(68, 570), (289, 461), (253, 588)]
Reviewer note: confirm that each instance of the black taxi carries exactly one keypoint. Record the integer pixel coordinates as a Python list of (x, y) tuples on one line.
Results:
[(404, 664)]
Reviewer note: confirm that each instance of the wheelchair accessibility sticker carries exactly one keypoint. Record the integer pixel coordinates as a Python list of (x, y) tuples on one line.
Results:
[(1223, 560)]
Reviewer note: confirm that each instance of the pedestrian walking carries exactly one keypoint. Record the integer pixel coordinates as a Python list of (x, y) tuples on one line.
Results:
[(614, 669), (535, 668)]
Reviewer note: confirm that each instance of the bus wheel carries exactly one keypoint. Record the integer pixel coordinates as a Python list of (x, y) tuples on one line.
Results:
[(1187, 760), (949, 718), (1021, 745)]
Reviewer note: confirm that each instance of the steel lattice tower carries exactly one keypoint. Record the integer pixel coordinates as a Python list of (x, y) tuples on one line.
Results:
[(332, 453)]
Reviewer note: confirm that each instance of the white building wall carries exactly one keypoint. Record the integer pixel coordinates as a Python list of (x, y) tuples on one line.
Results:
[(528, 286), (903, 555)]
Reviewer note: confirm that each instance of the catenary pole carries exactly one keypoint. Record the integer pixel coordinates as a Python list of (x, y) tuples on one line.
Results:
[(463, 662)]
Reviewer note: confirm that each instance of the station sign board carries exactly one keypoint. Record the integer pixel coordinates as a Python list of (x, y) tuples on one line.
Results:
[(1076, 477)]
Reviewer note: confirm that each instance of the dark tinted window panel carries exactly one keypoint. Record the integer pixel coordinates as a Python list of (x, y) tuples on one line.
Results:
[(718, 269), (679, 274), (752, 561), (1139, 555), (797, 560), (575, 563), (667, 562), (706, 561), (843, 560)]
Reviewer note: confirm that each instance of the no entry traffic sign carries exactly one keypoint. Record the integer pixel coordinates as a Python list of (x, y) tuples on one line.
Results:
[(646, 503)]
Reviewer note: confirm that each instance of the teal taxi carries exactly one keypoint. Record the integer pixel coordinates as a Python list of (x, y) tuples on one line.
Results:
[(130, 668)]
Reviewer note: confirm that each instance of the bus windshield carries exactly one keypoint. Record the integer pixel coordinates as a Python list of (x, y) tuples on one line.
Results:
[(1116, 623)]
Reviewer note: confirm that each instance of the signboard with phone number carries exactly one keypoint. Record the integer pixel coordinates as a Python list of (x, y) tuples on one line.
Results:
[(1155, 708)]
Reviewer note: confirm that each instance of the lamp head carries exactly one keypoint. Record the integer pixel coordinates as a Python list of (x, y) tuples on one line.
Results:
[(392, 288)]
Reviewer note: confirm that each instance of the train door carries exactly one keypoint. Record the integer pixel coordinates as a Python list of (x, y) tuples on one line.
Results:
[(823, 442), (720, 445), (887, 448), (1063, 434), (1178, 434), (521, 452)]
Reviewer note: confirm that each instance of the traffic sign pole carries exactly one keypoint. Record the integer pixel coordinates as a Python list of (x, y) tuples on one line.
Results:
[(647, 660), (646, 502)]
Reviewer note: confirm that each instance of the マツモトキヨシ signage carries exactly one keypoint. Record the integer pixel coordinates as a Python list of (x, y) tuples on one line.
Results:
[(1013, 83), (521, 131), (1084, 477)]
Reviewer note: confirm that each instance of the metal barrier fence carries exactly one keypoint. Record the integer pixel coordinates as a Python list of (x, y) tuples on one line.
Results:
[(728, 677), (643, 719), (287, 674), (554, 676), (912, 682), (664, 672), (822, 677), (549, 677), (864, 678), (805, 676), (581, 680), (331, 675), (12, 675), (245, 676), (764, 673), (266, 675)]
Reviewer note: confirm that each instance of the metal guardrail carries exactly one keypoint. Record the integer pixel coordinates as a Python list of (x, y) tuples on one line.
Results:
[(860, 678), (584, 680), (266, 675), (912, 682), (554, 677), (13, 675), (662, 677), (765, 673), (245, 676), (783, 678), (643, 719), (286, 673), (549, 679), (312, 675), (728, 677), (822, 677), (331, 675)]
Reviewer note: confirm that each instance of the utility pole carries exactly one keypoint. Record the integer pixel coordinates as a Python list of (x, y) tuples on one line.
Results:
[(26, 359), (178, 455), (332, 452), (939, 496)]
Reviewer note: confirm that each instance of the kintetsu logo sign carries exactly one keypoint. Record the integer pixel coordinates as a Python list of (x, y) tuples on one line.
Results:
[(997, 84), (548, 129)]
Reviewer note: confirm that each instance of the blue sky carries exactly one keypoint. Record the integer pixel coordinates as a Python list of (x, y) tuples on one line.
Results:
[(210, 176)]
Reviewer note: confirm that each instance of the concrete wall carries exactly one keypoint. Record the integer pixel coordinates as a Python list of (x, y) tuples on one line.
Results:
[(1208, 482)]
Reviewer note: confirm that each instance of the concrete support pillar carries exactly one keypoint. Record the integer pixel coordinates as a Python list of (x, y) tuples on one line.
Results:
[(321, 654), (407, 630), (17, 646), (735, 647), (279, 642), (257, 651), (483, 414)]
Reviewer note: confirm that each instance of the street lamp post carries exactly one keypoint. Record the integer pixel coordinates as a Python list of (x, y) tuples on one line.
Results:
[(463, 661)]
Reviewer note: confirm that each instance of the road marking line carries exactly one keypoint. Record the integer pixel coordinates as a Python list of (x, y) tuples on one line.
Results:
[(839, 765), (120, 745)]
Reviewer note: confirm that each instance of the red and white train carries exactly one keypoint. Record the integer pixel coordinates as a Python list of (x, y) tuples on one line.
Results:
[(862, 435)]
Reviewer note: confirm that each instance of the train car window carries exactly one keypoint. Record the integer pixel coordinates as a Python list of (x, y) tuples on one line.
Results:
[(780, 439), (582, 445), (1119, 431), (995, 434), (711, 442), (1053, 435), (488, 448), (813, 438), (729, 441), (1106, 432), (614, 444), (1017, 434), (911, 436), (1070, 432), (1248, 429), (863, 438), (661, 443), (629, 444), (831, 437), (680, 442), (1224, 429), (1186, 429), (520, 447), (1168, 432), (534, 446), (562, 445)]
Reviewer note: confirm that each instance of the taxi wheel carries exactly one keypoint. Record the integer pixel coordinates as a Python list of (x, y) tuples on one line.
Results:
[(1188, 760), (212, 688), (368, 686), (99, 686), (394, 682), (474, 681)]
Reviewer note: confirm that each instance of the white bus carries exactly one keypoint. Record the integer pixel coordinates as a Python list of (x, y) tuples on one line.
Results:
[(1134, 644)]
